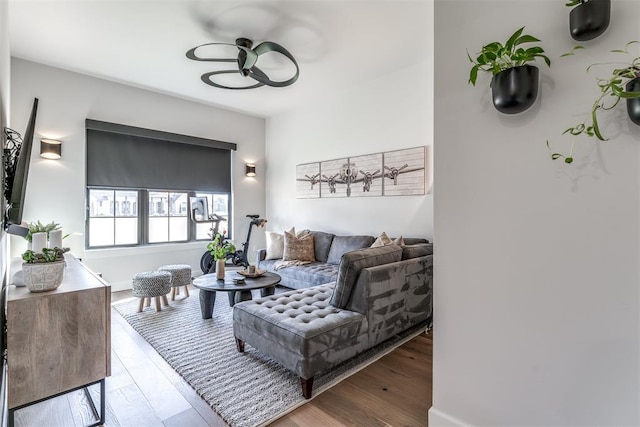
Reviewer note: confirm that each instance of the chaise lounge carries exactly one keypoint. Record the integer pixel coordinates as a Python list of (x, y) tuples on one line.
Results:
[(379, 293)]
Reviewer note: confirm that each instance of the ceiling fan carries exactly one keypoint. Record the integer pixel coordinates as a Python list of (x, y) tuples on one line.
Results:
[(247, 58)]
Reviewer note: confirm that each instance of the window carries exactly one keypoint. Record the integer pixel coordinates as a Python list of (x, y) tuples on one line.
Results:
[(217, 204), (113, 217), (139, 182)]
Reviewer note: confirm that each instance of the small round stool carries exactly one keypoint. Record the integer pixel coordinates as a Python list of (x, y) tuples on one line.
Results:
[(151, 284), (180, 276)]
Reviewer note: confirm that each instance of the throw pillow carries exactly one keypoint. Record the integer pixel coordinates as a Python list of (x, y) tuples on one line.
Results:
[(275, 244), (382, 240), (300, 247), (399, 241)]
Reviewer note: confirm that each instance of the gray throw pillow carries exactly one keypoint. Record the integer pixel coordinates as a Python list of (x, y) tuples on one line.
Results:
[(322, 242), (352, 264), (343, 244)]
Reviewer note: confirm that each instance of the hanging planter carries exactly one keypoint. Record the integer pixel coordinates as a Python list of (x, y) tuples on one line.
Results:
[(515, 89), (633, 104), (589, 18), (514, 85), (620, 83)]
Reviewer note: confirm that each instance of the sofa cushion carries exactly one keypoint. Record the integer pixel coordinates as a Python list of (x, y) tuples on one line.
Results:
[(298, 247), (418, 250), (322, 243), (353, 262), (414, 240), (343, 244)]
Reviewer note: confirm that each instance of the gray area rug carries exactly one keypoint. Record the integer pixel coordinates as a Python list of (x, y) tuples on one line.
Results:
[(246, 389)]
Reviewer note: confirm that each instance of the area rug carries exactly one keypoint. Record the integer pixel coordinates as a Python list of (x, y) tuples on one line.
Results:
[(247, 389)]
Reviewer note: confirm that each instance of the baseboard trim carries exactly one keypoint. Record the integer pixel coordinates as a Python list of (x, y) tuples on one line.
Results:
[(438, 418)]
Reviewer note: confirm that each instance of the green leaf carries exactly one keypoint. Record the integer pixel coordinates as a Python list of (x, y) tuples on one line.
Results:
[(555, 156), (473, 76), (510, 43), (525, 39), (596, 128), (568, 160)]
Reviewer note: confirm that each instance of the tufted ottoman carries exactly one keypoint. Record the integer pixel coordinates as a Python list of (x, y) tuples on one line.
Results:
[(180, 276), (151, 284), (301, 330)]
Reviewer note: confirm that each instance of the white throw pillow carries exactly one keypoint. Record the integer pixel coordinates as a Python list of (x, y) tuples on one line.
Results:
[(382, 240), (275, 244)]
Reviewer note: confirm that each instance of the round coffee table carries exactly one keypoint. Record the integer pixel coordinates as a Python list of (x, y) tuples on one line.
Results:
[(209, 285)]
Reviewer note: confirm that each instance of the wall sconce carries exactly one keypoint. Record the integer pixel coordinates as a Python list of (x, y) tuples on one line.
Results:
[(250, 169), (50, 149)]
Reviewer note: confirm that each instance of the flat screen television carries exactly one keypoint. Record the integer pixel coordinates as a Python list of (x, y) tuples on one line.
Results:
[(19, 185)]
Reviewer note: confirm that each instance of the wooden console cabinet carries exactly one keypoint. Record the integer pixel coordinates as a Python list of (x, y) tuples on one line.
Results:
[(60, 340)]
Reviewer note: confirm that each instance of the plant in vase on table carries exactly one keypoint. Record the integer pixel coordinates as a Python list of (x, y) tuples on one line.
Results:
[(220, 250), (43, 271)]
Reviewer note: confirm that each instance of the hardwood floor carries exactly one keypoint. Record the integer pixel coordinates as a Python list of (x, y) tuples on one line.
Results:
[(143, 390)]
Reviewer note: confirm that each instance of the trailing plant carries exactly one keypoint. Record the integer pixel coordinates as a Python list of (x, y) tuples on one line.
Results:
[(47, 255), (496, 57), (573, 3), (220, 249), (612, 90), (38, 227)]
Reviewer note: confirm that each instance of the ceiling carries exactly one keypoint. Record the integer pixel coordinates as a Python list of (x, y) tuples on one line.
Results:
[(337, 43)]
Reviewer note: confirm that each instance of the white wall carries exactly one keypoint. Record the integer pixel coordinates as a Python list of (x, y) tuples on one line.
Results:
[(56, 189), (5, 68), (536, 278), (389, 113)]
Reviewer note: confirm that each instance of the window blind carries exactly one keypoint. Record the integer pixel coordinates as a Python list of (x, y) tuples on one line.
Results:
[(123, 156)]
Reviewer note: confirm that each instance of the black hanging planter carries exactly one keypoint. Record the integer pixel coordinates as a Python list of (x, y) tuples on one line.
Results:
[(633, 104), (515, 89), (589, 19)]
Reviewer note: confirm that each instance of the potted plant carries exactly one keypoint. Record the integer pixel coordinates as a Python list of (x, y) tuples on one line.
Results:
[(38, 227), (219, 249), (621, 83), (514, 85), (589, 18), (43, 271)]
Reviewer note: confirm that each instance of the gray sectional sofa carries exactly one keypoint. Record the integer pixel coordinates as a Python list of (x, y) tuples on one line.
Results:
[(378, 293), (328, 251)]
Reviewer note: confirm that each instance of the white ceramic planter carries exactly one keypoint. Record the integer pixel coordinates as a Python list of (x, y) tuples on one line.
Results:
[(42, 277)]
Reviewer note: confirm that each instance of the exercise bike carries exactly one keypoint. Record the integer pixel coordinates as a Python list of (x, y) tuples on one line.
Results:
[(240, 256)]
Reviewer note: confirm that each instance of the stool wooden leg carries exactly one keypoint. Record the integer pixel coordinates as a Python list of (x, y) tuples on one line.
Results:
[(148, 301), (164, 301), (140, 305), (158, 308), (173, 294), (186, 291)]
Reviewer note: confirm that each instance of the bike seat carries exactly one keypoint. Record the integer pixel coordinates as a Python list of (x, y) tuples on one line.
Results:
[(253, 216)]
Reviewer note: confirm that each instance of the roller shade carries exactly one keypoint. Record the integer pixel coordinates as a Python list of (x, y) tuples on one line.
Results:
[(120, 156)]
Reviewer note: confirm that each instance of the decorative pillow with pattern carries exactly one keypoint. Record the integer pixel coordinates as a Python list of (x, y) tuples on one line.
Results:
[(298, 247)]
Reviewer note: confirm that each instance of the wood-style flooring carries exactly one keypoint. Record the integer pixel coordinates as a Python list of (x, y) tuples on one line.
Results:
[(143, 390)]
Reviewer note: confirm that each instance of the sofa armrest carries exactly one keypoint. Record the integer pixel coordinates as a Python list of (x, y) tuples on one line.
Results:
[(394, 296), (261, 255)]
